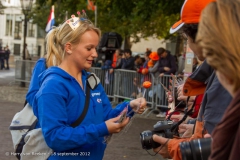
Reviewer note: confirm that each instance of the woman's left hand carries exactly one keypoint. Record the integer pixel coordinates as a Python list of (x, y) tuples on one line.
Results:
[(138, 105)]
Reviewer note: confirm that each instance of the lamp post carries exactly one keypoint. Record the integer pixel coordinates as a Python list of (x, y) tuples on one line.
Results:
[(26, 8)]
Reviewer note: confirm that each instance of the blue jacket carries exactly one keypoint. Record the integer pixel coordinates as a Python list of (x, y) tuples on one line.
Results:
[(34, 86), (59, 102)]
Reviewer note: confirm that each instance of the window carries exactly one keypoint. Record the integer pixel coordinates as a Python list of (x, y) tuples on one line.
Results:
[(40, 33), (31, 30), (16, 49), (18, 27), (8, 25)]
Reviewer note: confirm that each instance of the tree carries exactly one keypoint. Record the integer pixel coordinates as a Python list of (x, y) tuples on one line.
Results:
[(2, 7), (130, 18)]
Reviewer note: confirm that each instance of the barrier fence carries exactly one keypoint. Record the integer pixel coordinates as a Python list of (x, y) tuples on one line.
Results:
[(119, 85)]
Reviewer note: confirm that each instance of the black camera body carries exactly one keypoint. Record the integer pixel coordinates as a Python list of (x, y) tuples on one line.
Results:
[(161, 128)]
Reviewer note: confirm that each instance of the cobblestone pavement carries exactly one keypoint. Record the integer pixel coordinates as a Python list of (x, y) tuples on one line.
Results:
[(123, 146)]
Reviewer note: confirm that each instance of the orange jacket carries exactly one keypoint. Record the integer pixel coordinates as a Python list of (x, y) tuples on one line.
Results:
[(114, 60), (173, 144)]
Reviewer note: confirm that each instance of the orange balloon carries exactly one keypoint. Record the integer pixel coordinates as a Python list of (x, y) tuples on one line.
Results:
[(150, 63), (147, 84), (144, 71)]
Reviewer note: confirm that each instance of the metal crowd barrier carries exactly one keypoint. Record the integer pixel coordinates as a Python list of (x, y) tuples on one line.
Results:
[(23, 70), (127, 84), (119, 85)]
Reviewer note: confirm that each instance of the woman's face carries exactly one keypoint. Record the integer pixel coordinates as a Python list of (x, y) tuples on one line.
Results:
[(84, 53)]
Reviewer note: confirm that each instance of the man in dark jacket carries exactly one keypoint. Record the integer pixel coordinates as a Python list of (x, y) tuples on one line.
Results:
[(167, 63), (2, 56), (128, 61), (7, 55), (166, 66), (128, 64)]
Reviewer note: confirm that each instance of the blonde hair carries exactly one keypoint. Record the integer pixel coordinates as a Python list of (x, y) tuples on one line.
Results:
[(219, 36), (59, 36)]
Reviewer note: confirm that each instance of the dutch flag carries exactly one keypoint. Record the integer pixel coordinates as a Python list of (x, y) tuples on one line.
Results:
[(51, 20)]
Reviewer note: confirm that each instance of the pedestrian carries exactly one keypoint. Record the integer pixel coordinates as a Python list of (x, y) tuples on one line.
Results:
[(27, 55), (7, 55), (61, 96), (222, 52), (2, 57)]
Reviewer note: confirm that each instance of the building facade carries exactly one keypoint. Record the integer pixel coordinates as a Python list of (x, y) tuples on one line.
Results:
[(11, 31)]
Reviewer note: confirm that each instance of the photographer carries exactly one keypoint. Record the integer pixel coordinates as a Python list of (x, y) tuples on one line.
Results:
[(223, 54), (216, 98)]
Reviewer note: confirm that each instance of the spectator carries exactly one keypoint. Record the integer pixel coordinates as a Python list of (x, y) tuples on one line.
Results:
[(138, 63), (128, 60), (166, 66), (212, 107), (117, 58), (153, 64), (222, 52), (128, 64), (2, 57), (27, 55), (144, 69), (167, 62), (7, 55), (108, 76), (145, 64)]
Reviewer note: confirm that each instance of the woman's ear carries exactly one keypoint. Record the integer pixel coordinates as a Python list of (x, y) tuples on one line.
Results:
[(68, 48)]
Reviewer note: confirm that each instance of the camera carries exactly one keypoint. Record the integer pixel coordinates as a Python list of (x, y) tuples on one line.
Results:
[(110, 41), (198, 149), (161, 128)]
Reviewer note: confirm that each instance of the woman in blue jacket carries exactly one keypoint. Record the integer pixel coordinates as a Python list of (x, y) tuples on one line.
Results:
[(61, 96)]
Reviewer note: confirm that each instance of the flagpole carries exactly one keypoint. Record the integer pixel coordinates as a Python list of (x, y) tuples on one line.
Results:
[(95, 15)]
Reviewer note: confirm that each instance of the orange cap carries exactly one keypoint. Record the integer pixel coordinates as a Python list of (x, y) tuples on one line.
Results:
[(154, 56), (190, 13), (147, 84)]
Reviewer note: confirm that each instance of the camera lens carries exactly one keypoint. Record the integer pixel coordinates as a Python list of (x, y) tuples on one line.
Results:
[(198, 149), (186, 151), (147, 140)]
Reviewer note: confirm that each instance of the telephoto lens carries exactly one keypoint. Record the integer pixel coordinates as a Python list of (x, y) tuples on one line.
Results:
[(198, 149)]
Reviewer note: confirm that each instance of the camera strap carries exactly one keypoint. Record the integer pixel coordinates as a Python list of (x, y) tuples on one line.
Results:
[(186, 113)]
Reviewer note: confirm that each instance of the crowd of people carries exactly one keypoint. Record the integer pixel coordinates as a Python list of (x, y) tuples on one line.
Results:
[(57, 91), (211, 30)]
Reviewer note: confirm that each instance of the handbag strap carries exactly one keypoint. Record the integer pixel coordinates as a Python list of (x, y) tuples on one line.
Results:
[(86, 106)]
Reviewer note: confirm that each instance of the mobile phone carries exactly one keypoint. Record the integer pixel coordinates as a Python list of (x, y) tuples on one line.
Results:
[(123, 115)]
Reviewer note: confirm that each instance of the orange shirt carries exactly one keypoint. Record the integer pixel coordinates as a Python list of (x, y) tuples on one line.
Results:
[(114, 61)]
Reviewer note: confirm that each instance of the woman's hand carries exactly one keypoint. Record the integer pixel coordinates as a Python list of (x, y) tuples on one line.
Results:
[(114, 127), (138, 105)]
